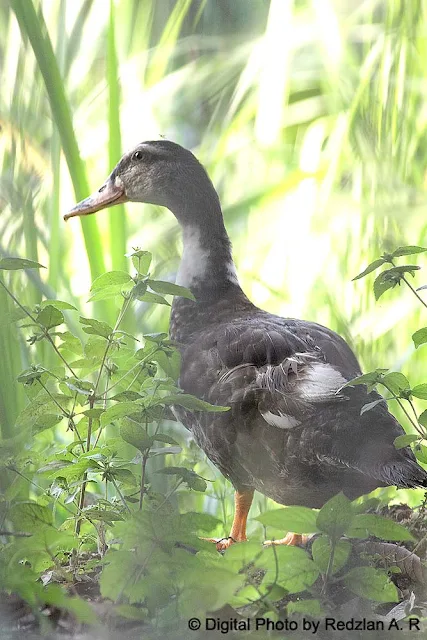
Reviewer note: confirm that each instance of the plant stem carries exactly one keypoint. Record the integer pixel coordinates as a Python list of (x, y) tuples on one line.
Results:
[(122, 312), (402, 406), (83, 487), (143, 469), (330, 565), (43, 329), (178, 484), (63, 411), (138, 364), (414, 291), (122, 498)]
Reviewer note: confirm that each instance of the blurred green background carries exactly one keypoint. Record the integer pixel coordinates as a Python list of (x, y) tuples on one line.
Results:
[(310, 116)]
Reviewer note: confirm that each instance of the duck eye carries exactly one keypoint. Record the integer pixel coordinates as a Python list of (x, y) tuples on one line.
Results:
[(137, 155)]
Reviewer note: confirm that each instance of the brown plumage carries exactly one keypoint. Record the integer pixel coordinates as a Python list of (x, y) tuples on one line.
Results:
[(293, 433)]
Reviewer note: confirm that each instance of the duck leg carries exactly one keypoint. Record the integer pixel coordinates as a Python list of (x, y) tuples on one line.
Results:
[(242, 502)]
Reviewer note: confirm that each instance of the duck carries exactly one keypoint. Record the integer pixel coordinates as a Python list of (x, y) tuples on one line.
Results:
[(294, 431)]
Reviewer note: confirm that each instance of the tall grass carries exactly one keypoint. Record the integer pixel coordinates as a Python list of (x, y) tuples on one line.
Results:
[(309, 116)]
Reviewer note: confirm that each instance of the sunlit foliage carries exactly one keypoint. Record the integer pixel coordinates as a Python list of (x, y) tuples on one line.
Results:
[(309, 116)]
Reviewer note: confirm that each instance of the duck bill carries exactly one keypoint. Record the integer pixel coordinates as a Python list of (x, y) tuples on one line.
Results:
[(112, 192)]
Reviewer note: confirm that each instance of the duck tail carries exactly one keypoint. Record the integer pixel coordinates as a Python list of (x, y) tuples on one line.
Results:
[(404, 473)]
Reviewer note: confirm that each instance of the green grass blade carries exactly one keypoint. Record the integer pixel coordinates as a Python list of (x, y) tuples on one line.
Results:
[(166, 46), (34, 27), (117, 219)]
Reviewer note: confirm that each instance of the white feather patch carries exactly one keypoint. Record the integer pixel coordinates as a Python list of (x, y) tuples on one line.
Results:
[(282, 421), (194, 260), (320, 381), (231, 273)]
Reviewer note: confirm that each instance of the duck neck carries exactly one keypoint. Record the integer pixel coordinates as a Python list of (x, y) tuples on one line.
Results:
[(207, 269), (207, 266)]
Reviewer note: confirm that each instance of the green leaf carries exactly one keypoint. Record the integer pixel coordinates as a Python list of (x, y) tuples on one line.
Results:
[(374, 265), (110, 278), (420, 451), (295, 519), (54, 465), (30, 375), (371, 583), (162, 437), (192, 479), (81, 386), (382, 285), (321, 550), (141, 260), (128, 395), (369, 524), (420, 391), (367, 378), (96, 327), (169, 288), (39, 406), (195, 521), (107, 293), (191, 402), (27, 516), (422, 418), (46, 421), (70, 343), (297, 572), (401, 270), (130, 612), (95, 347), (407, 251), (195, 482), (392, 277), (119, 411), (396, 382), (308, 607), (335, 517), (95, 413), (105, 515), (240, 555), (133, 433), (50, 317), (420, 337), (404, 440), (120, 565), (152, 298), (58, 304), (75, 471), (12, 264), (246, 595), (158, 338)]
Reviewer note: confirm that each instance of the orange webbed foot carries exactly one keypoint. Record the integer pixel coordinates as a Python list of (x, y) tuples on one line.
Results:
[(290, 539), (243, 501), (223, 543)]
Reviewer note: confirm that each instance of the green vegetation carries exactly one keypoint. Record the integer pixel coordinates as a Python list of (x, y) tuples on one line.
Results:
[(310, 120)]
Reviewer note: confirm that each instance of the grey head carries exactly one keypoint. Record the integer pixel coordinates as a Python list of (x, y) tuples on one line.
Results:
[(158, 172)]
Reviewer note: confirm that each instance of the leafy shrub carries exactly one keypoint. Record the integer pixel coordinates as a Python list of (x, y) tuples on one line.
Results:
[(92, 513)]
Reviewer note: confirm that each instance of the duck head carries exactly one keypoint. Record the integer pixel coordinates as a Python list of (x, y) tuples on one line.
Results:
[(158, 172)]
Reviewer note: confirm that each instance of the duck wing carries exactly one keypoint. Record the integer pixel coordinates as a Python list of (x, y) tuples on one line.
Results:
[(289, 375)]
